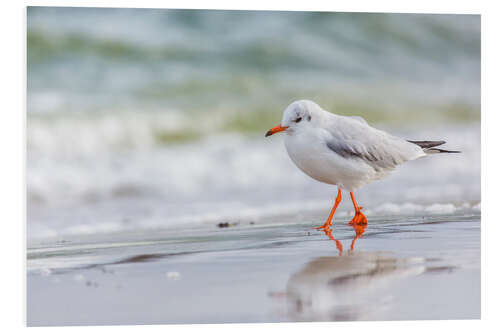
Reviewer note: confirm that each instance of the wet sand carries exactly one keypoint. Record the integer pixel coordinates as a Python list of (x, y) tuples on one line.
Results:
[(400, 268)]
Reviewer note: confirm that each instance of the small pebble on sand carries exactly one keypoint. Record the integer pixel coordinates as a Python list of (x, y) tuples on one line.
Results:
[(173, 275)]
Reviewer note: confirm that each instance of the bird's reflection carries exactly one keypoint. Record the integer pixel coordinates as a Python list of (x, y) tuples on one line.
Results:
[(329, 233), (356, 286), (359, 229), (351, 287)]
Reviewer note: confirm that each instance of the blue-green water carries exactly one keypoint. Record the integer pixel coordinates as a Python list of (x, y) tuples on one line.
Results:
[(248, 62)]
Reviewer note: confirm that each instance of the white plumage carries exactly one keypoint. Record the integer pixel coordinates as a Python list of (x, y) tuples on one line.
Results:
[(339, 150), (344, 151)]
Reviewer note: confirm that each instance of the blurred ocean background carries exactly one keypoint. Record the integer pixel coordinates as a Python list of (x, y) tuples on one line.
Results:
[(142, 119)]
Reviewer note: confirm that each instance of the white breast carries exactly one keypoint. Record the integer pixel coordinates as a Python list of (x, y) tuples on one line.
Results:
[(309, 152)]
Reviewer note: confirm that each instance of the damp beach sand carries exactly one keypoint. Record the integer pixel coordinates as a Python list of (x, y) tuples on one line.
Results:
[(401, 268)]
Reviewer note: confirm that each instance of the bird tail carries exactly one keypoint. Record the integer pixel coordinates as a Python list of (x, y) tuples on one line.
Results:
[(428, 147)]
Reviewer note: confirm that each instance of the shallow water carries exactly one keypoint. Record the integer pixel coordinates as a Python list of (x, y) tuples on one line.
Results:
[(400, 268), (231, 179)]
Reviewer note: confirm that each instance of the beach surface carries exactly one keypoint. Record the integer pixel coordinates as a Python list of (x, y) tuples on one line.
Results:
[(401, 268)]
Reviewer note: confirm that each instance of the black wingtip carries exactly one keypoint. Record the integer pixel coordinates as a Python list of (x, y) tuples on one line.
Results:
[(444, 151)]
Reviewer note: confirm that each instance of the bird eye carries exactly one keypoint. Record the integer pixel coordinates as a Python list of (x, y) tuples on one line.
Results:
[(298, 119)]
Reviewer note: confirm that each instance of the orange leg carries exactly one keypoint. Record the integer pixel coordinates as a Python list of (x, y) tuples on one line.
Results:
[(328, 222), (359, 218)]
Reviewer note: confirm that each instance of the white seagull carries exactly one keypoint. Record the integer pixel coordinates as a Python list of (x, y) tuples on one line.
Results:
[(344, 151)]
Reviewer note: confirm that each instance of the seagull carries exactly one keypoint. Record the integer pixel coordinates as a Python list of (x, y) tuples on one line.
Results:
[(344, 150)]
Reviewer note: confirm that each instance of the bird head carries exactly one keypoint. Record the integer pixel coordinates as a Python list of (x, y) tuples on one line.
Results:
[(295, 116)]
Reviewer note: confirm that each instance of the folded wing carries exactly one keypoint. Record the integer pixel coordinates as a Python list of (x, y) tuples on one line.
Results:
[(351, 138)]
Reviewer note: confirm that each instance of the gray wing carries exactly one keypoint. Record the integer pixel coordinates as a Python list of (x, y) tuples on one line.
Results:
[(352, 138)]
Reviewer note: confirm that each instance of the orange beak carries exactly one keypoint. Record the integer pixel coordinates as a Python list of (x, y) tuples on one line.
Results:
[(276, 129)]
